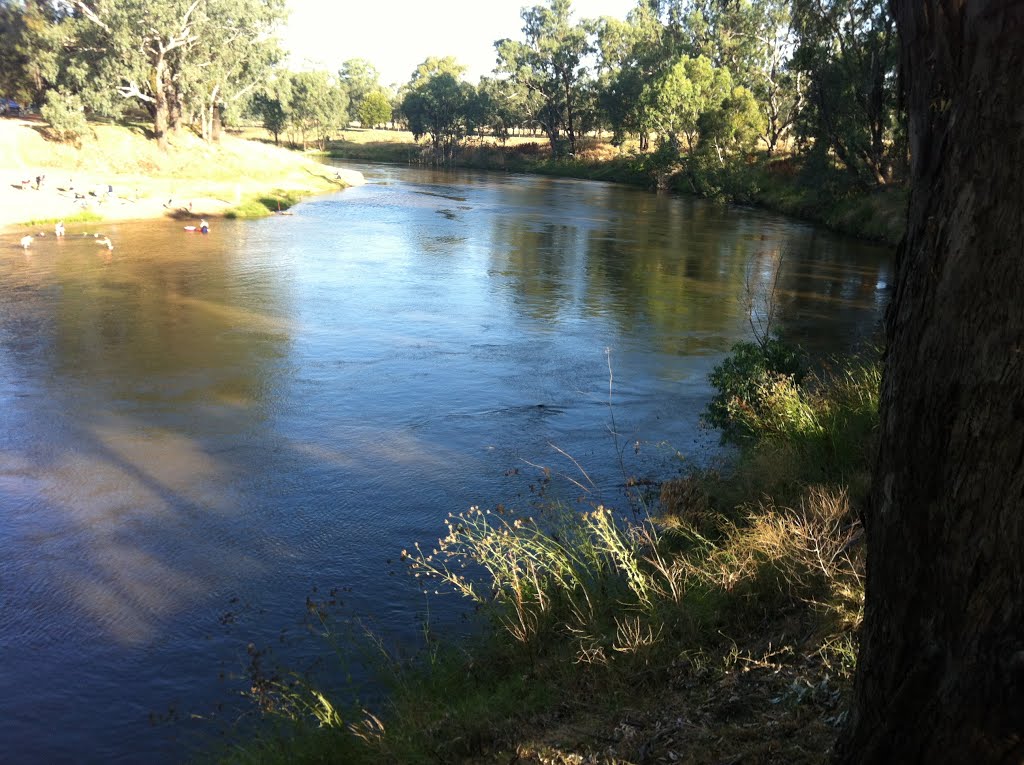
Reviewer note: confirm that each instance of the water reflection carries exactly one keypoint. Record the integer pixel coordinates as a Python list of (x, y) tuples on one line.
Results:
[(189, 420)]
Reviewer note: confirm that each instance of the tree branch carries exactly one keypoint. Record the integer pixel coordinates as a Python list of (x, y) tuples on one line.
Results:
[(131, 90)]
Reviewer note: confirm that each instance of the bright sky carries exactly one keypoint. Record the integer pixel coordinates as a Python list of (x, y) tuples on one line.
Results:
[(397, 35)]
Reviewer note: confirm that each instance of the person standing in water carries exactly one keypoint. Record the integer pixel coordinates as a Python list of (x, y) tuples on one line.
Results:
[(204, 226), (58, 229)]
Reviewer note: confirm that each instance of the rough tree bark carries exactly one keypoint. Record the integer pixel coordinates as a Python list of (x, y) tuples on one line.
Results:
[(941, 671)]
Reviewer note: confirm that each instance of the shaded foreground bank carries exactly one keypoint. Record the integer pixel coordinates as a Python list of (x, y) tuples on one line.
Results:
[(712, 621)]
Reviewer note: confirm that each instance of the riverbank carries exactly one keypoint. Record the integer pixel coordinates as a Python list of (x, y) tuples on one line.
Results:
[(717, 625), (119, 174), (777, 185)]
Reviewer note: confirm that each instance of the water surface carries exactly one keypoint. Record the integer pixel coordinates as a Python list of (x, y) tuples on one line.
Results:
[(199, 432)]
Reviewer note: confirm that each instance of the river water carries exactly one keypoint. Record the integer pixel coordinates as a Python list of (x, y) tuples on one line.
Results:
[(197, 433)]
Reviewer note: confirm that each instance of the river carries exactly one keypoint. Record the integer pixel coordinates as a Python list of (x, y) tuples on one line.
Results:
[(198, 433)]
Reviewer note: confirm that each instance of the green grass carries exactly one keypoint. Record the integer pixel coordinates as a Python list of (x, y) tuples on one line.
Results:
[(878, 215), (86, 216), (262, 205)]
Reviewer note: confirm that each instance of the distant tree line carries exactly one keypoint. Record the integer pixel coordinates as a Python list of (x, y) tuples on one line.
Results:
[(707, 79), (703, 80)]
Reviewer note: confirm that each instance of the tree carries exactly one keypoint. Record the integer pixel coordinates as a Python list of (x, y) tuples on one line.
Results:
[(550, 64), (734, 125), (374, 109), (848, 51), (359, 78), (940, 675), (63, 113), (34, 34), (318, 106), (173, 57), (631, 54), (273, 105), (505, 105), (231, 58), (436, 103), (754, 40), (677, 100)]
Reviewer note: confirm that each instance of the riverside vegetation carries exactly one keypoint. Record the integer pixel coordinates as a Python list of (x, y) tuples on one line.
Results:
[(714, 620)]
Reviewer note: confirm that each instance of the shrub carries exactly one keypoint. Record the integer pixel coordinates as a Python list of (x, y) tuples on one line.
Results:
[(742, 381), (63, 112)]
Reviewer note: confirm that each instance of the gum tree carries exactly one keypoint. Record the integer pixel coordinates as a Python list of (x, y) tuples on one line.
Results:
[(360, 78), (173, 57), (847, 49), (549, 63), (436, 104), (318, 106), (940, 676), (692, 87), (374, 109), (630, 54)]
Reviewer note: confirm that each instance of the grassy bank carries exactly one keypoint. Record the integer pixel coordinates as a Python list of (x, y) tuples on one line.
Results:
[(780, 185), (118, 173), (718, 625)]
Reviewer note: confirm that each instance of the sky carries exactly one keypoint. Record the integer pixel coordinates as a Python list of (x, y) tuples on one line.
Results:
[(397, 35)]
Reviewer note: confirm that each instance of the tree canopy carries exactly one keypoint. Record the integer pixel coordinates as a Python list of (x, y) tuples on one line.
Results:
[(549, 63), (813, 77)]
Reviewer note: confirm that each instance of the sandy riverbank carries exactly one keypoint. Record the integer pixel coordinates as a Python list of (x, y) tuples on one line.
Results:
[(193, 179)]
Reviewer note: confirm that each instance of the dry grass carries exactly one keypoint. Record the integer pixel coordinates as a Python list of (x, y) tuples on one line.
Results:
[(148, 183)]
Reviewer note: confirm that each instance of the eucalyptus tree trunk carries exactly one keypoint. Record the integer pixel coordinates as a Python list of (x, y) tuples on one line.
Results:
[(940, 677), (159, 107), (216, 130)]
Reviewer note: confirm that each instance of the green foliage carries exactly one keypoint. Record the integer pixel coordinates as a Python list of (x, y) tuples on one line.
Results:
[(178, 60), (436, 104), (549, 65), (359, 78), (63, 113), (34, 35), (822, 425), (741, 381), (631, 54), (318, 106), (374, 109), (735, 126), (272, 112), (848, 51), (691, 88), (504, 104)]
